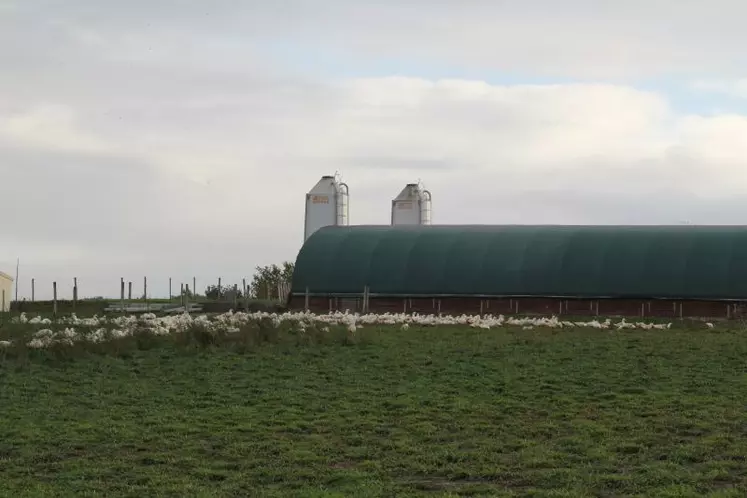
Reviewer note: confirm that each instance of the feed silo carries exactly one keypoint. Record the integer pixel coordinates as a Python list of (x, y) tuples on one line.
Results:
[(412, 206), (326, 204)]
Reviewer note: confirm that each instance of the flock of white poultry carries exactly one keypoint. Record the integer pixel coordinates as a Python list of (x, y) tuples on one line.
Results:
[(69, 330)]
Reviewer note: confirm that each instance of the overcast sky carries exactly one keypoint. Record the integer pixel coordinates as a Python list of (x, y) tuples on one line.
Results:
[(178, 138)]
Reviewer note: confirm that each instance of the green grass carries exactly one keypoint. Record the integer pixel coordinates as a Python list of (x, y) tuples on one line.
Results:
[(427, 412)]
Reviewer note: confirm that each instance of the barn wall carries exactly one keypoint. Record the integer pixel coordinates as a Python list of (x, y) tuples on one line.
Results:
[(6, 287), (524, 306)]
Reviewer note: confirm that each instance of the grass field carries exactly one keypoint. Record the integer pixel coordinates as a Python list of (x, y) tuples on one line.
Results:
[(424, 412)]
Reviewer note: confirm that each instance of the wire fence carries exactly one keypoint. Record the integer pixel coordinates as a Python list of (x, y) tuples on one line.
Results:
[(136, 297)]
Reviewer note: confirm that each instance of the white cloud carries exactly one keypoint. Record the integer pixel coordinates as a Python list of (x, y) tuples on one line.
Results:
[(576, 38), (49, 127), (489, 153), (148, 144), (734, 88)]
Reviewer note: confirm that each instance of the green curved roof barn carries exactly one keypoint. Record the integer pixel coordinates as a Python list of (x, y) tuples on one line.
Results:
[(668, 262)]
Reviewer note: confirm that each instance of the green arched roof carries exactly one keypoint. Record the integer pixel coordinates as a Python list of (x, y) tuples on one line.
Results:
[(677, 262)]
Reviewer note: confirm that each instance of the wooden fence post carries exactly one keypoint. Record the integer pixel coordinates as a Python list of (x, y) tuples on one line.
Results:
[(246, 295), (54, 294)]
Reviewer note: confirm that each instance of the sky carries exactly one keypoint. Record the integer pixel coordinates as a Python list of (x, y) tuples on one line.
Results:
[(177, 139)]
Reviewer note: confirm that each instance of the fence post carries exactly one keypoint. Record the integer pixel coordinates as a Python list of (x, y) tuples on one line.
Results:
[(121, 294), (306, 300), (365, 299), (235, 296), (54, 293), (181, 295), (169, 289), (129, 291), (2, 310), (75, 292), (246, 297), (145, 293), (33, 286), (194, 287)]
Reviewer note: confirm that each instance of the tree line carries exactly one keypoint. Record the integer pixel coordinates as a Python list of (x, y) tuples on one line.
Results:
[(264, 284)]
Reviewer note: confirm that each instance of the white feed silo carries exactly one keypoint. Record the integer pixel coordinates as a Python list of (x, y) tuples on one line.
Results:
[(326, 204), (412, 206)]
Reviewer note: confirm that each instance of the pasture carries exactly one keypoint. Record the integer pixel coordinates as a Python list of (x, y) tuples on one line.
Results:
[(444, 410)]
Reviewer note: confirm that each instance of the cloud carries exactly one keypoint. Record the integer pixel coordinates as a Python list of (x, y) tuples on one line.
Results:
[(228, 177), (571, 39), (49, 127), (134, 142), (734, 88)]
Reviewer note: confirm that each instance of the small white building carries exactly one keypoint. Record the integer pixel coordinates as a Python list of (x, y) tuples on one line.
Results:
[(6, 294)]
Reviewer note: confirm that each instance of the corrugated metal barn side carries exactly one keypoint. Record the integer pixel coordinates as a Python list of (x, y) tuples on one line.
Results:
[(637, 271)]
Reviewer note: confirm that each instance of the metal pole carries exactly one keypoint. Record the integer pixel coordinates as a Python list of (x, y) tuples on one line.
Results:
[(33, 296)]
